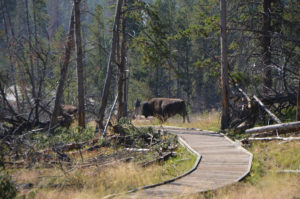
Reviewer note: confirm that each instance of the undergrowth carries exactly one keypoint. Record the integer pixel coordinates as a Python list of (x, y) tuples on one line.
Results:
[(98, 182), (114, 171)]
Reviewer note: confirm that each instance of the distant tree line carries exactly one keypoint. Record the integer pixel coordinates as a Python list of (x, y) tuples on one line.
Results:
[(86, 52)]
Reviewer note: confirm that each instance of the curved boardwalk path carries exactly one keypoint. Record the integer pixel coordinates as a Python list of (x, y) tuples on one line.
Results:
[(223, 162)]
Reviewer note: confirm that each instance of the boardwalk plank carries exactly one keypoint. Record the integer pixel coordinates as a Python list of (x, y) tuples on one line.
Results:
[(223, 162)]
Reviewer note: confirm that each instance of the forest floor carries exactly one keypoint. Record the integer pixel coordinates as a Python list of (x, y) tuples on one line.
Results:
[(102, 171), (117, 173)]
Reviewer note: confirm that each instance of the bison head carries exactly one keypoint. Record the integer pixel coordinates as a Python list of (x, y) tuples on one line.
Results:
[(146, 109)]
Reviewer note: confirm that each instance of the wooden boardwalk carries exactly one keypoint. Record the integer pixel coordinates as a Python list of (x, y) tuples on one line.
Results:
[(223, 162)]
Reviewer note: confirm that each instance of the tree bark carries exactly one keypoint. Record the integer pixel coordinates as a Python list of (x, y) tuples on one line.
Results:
[(31, 72), (54, 18), (126, 88), (266, 139), (80, 87), (279, 127), (121, 67), (266, 44), (39, 81), (111, 61), (10, 53), (224, 68), (267, 110), (69, 45), (178, 91), (298, 103)]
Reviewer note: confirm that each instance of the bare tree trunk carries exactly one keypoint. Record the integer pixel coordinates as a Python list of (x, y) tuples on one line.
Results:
[(126, 83), (188, 77), (69, 45), (11, 63), (122, 66), (54, 18), (169, 83), (266, 44), (80, 88), (178, 81), (31, 73), (298, 103), (38, 71), (224, 68), (111, 61), (156, 81)]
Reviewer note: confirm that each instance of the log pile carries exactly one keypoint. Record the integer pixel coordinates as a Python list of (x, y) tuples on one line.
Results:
[(247, 110)]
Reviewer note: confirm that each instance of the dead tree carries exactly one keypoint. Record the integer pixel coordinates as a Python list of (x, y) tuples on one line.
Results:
[(80, 88), (224, 68), (266, 43), (298, 103), (69, 45), (112, 60), (275, 127), (121, 68)]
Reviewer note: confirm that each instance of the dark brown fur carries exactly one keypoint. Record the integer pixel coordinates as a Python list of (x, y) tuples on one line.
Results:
[(164, 108), (68, 112)]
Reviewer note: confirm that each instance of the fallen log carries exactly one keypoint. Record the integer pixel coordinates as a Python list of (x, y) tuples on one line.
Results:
[(289, 171), (278, 127), (110, 114), (246, 140), (136, 150), (267, 110)]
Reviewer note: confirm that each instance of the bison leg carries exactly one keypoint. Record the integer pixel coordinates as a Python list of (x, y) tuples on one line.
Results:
[(185, 114), (188, 119)]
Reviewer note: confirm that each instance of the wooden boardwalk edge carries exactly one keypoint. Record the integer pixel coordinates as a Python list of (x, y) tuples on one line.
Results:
[(227, 138), (184, 144), (246, 151)]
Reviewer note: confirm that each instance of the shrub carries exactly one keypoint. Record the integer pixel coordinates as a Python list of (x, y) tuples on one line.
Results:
[(7, 187)]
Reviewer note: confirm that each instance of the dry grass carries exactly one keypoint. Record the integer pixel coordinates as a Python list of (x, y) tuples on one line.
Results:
[(97, 182), (263, 182), (206, 121)]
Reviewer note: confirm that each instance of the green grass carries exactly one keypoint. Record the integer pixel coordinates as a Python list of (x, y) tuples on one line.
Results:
[(63, 136), (206, 121)]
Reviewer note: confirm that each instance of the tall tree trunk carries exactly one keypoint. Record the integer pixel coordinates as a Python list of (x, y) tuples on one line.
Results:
[(38, 71), (112, 60), (10, 53), (80, 87), (178, 81), (169, 83), (298, 103), (224, 68), (126, 84), (53, 18), (69, 45), (266, 44), (156, 81), (31, 72), (188, 77), (122, 66)]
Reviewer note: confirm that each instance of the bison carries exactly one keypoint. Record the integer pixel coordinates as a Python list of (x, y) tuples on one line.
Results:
[(67, 113), (163, 108), (69, 109)]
